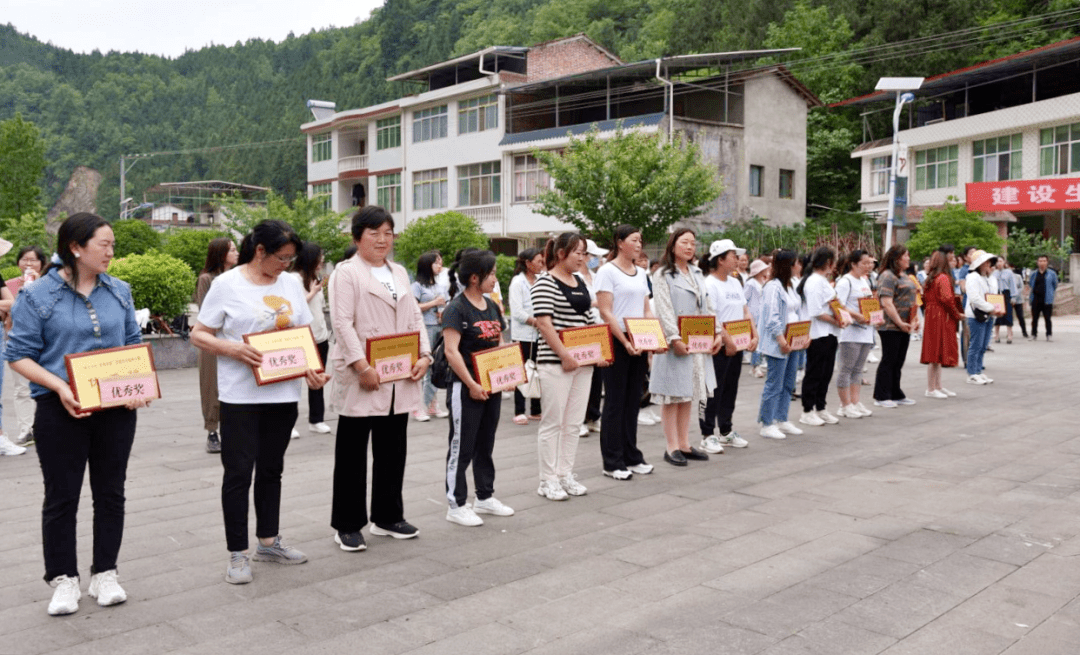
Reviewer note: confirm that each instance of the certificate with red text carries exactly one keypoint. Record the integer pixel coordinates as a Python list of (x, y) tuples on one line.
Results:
[(798, 335), (393, 356), (741, 333), (871, 310), (646, 333), (501, 368), (588, 345), (286, 354), (997, 300), (698, 332), (101, 379)]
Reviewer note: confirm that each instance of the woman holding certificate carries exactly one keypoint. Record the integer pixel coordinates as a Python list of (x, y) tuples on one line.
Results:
[(857, 339), (257, 420), (779, 307), (74, 308), (622, 292), (373, 299), (817, 293), (980, 314), (681, 379), (529, 265)]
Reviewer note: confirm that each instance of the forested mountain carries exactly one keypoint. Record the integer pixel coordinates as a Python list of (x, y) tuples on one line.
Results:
[(92, 108)]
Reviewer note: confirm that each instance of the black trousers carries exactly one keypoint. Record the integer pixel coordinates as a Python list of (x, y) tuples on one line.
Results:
[(1046, 311), (820, 362), (256, 438), (717, 410), (528, 349), (388, 449), (596, 393), (1018, 312), (894, 347), (472, 440), (65, 446), (316, 406), (623, 384)]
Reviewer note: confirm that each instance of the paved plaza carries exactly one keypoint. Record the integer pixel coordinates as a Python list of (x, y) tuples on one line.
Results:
[(951, 527)]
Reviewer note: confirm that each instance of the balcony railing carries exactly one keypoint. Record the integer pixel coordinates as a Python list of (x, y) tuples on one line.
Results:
[(355, 163), (484, 213)]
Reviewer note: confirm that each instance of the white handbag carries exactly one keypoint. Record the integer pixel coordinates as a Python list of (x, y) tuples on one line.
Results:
[(531, 388)]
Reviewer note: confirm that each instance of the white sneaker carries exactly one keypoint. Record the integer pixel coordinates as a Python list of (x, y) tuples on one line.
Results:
[(105, 588), (463, 516), (885, 403), (849, 411), (811, 418), (733, 440), (862, 408), (621, 474), (935, 393), (759, 372), (295, 434), (711, 444), (989, 380), (975, 379), (8, 448), (800, 375), (641, 469), (571, 486), (583, 431), (319, 428), (789, 427), (653, 415), (905, 401), (824, 415), (594, 426), (950, 394), (644, 419), (772, 432), (491, 506), (65, 598), (441, 413), (872, 358), (551, 490), (421, 417)]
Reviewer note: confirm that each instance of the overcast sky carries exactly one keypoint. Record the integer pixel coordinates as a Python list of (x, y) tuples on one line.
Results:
[(168, 27)]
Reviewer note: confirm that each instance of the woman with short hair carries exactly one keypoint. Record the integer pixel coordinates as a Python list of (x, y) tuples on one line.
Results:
[(897, 292), (857, 339)]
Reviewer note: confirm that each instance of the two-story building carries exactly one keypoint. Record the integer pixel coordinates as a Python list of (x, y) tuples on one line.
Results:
[(465, 141)]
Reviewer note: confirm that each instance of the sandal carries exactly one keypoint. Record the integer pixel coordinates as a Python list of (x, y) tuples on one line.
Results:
[(521, 419)]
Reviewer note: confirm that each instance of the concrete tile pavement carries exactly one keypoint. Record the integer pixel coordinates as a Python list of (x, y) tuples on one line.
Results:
[(950, 526)]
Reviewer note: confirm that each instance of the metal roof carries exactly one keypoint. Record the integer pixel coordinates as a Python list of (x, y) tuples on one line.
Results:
[(207, 185), (420, 74), (571, 130)]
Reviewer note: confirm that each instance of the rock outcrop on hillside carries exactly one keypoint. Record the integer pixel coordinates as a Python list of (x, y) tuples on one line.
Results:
[(80, 195)]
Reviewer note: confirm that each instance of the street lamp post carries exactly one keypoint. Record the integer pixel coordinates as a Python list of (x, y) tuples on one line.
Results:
[(902, 86)]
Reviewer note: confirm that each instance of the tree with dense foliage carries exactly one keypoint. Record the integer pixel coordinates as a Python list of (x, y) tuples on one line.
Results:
[(22, 165), (308, 216), (446, 232), (953, 224), (159, 282), (190, 246), (27, 230), (134, 236), (633, 177), (1026, 247)]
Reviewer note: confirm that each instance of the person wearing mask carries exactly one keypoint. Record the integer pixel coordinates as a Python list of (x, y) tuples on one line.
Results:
[(432, 297), (221, 255), (856, 339), (257, 420), (1044, 283), (779, 307), (472, 322), (680, 380), (31, 261), (729, 304), (758, 275), (622, 291), (77, 307), (529, 265), (596, 389), (308, 269), (979, 313), (816, 293), (372, 297), (561, 301), (897, 292)]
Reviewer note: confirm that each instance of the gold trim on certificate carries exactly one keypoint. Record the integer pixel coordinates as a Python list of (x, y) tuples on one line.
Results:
[(91, 371), (840, 313), (646, 333), (871, 310), (287, 354), (997, 300), (590, 344), (500, 368), (394, 355), (741, 333), (798, 335), (698, 332)]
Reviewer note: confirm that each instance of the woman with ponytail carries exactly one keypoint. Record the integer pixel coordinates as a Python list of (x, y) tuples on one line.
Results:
[(529, 265)]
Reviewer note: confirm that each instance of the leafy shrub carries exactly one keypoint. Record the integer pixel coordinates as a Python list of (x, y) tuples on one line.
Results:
[(10, 272), (134, 237), (504, 272), (447, 232), (954, 224), (160, 282), (190, 246), (1025, 248)]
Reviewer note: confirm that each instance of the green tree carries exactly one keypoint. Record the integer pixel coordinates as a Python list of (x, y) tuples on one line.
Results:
[(28, 230), (1025, 248), (446, 232), (956, 225), (311, 220), (22, 165), (632, 178), (133, 236), (159, 282), (190, 246)]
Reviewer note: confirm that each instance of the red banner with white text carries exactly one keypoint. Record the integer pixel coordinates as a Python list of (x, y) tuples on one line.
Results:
[(1024, 195)]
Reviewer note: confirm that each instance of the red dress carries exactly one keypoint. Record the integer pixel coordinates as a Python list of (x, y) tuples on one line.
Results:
[(939, 344)]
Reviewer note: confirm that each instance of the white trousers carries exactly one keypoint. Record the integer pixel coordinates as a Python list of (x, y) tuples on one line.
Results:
[(24, 404), (564, 398)]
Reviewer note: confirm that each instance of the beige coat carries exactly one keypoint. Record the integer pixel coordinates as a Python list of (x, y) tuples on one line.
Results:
[(361, 307)]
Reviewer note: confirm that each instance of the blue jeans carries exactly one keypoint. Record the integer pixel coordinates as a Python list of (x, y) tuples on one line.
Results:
[(779, 385), (977, 343), (429, 388)]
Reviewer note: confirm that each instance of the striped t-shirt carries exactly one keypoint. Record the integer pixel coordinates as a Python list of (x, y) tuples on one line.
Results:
[(568, 307)]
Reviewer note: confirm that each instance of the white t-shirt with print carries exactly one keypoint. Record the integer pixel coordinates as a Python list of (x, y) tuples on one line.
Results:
[(727, 297), (235, 307), (385, 276)]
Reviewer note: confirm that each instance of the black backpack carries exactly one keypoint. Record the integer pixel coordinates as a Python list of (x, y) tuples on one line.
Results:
[(440, 368)]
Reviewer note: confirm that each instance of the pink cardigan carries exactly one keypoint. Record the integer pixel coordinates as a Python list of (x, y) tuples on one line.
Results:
[(362, 307)]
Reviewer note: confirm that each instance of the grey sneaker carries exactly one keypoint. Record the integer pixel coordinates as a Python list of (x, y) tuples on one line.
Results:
[(239, 571), (733, 440), (278, 553)]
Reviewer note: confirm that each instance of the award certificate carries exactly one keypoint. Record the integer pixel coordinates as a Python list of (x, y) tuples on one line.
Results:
[(393, 356), (997, 300), (698, 332), (646, 333), (798, 335), (287, 354), (589, 345), (500, 368), (840, 313), (871, 310), (740, 332), (108, 378)]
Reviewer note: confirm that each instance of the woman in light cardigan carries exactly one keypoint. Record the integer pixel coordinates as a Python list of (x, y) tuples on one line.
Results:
[(530, 263), (779, 306), (980, 324)]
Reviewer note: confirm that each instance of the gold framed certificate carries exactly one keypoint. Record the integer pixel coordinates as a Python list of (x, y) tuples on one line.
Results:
[(589, 345), (394, 355), (500, 368), (798, 335), (698, 332), (646, 333), (997, 300), (871, 310), (287, 354), (741, 333), (101, 379), (839, 312)]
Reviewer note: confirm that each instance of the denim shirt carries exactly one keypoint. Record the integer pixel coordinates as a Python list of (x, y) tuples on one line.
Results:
[(772, 319), (50, 320)]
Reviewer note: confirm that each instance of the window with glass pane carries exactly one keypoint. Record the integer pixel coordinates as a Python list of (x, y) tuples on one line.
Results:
[(880, 169), (320, 147), (388, 192), (530, 178), (321, 193), (479, 184), (997, 159), (429, 124), (936, 168), (787, 183), (756, 173), (478, 114), (1059, 150), (388, 133), (430, 189)]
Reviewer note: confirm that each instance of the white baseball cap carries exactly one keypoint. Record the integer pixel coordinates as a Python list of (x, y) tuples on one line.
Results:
[(593, 249), (722, 246)]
